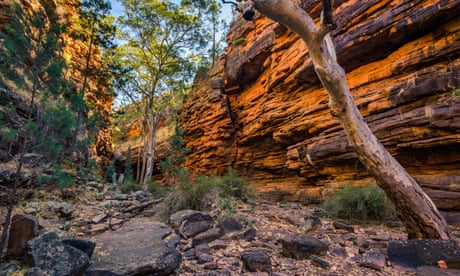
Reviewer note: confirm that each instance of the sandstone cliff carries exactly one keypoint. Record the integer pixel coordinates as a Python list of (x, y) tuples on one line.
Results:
[(266, 113)]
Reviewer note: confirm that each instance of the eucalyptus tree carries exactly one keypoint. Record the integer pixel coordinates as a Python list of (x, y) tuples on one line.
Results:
[(162, 40), (415, 209)]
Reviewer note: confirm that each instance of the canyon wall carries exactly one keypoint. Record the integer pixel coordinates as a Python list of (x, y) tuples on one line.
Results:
[(75, 53), (264, 111)]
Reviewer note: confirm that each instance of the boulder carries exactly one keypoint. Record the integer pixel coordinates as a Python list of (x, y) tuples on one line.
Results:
[(137, 248), (343, 225), (229, 224), (23, 228), (191, 229), (431, 271), (374, 260), (178, 218), (49, 253), (208, 236), (257, 260), (84, 245), (35, 271), (415, 253), (302, 246)]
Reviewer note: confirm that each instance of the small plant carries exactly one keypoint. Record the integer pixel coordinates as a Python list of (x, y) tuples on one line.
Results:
[(109, 172), (59, 177), (204, 190), (359, 203), (232, 185), (226, 205), (239, 41), (155, 188), (129, 186)]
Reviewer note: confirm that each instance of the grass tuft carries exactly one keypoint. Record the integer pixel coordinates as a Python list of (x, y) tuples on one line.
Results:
[(368, 203)]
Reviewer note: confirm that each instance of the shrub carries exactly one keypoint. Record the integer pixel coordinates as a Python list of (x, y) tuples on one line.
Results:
[(200, 193), (359, 203), (232, 185), (129, 186), (155, 188)]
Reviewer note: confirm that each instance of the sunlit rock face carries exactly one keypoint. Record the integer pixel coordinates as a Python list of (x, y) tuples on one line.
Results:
[(271, 117), (75, 53)]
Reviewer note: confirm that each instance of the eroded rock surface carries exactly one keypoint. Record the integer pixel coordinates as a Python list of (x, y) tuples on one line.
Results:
[(137, 248), (271, 118)]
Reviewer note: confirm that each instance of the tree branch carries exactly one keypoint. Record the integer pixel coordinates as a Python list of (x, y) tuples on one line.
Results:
[(327, 19)]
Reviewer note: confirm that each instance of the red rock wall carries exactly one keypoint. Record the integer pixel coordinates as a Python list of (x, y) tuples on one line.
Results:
[(75, 52), (271, 117)]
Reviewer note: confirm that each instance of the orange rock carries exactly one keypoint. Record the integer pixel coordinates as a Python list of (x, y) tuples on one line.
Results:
[(272, 120)]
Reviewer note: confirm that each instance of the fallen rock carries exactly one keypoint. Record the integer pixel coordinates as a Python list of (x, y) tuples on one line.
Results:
[(247, 234), (257, 260), (208, 236), (205, 258), (202, 249), (415, 253), (176, 219), (35, 271), (302, 246), (430, 271), (49, 253), (317, 261), (229, 224), (84, 245), (191, 229), (137, 248), (311, 224), (23, 228), (374, 260), (343, 225)]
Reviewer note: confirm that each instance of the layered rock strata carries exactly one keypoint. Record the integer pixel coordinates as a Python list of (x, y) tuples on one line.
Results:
[(271, 116)]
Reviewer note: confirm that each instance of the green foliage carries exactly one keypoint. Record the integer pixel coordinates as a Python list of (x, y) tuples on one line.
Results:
[(129, 186), (227, 205), (359, 203), (90, 171), (58, 177), (232, 185), (155, 188), (8, 134), (129, 174), (175, 157), (109, 172), (200, 193), (239, 41)]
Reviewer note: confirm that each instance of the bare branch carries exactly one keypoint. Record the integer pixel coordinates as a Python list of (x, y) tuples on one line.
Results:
[(327, 18)]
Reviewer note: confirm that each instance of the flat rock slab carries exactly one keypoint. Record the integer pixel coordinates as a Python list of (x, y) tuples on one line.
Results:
[(415, 253), (137, 248)]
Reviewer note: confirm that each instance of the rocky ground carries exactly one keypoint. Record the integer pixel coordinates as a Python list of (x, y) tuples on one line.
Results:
[(259, 238)]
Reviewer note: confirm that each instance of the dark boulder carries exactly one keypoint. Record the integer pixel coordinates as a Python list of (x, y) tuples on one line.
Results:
[(415, 253), (50, 254), (229, 224), (208, 236), (84, 245), (257, 260), (178, 218), (302, 246)]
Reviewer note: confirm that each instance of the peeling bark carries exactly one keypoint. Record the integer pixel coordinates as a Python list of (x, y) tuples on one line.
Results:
[(415, 208)]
